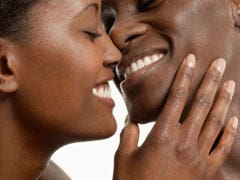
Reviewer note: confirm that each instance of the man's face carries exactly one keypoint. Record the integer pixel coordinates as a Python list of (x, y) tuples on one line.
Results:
[(156, 35)]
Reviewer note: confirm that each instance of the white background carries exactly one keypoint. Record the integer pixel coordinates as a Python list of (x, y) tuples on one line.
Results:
[(94, 160)]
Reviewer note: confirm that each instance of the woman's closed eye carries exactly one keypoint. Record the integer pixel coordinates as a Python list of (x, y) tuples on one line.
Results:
[(92, 35)]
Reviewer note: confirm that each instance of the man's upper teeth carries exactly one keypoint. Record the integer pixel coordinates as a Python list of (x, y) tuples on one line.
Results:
[(141, 63), (102, 91)]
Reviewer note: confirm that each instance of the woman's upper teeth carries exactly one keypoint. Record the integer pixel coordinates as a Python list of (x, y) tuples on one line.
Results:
[(141, 63), (103, 91)]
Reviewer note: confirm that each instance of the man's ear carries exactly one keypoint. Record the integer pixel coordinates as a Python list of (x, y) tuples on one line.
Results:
[(8, 82), (236, 13)]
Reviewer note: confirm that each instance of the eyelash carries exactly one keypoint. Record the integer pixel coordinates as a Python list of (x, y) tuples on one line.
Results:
[(92, 35), (145, 6)]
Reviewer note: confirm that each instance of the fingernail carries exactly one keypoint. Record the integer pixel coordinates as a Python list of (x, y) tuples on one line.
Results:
[(220, 65), (190, 61), (235, 123), (230, 86)]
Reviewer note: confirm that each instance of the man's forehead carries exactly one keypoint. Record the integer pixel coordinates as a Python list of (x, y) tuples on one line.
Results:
[(108, 2), (109, 6), (115, 2)]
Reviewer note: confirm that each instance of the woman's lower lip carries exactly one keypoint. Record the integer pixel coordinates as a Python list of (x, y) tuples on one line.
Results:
[(109, 102), (103, 94)]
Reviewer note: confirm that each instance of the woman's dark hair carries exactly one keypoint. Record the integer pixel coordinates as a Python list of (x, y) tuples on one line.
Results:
[(14, 18)]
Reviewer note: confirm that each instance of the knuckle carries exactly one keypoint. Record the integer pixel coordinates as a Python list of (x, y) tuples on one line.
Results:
[(178, 92), (188, 72), (204, 101), (226, 98), (229, 132), (120, 156), (215, 76), (225, 149), (184, 149), (197, 162), (158, 142), (216, 120), (163, 139)]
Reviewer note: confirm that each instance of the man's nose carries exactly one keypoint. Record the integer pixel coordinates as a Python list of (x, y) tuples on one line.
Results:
[(124, 31)]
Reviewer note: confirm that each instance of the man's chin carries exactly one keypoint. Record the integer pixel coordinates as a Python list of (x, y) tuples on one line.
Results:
[(143, 116)]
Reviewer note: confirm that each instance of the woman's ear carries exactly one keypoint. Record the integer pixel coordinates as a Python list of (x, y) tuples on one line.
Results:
[(236, 13), (8, 82)]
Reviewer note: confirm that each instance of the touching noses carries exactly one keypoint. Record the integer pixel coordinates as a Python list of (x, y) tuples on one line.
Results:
[(112, 55), (125, 31)]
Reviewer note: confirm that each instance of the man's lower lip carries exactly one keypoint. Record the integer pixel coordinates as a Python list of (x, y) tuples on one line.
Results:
[(137, 76)]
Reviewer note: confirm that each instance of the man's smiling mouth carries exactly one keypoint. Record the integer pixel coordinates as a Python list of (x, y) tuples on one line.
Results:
[(141, 63), (139, 59)]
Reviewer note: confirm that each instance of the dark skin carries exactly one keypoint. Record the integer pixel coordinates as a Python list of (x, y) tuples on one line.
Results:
[(186, 150), (208, 28), (185, 156), (48, 86), (187, 145), (180, 151)]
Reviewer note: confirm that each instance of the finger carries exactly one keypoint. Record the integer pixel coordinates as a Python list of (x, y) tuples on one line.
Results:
[(216, 118), (204, 99), (129, 138), (171, 113), (221, 152)]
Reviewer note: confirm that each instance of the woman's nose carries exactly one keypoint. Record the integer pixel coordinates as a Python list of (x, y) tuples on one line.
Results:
[(112, 55)]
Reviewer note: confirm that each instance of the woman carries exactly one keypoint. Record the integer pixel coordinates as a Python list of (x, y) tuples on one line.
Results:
[(56, 61)]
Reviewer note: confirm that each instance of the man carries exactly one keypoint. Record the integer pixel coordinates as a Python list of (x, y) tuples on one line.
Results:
[(172, 29), (165, 32)]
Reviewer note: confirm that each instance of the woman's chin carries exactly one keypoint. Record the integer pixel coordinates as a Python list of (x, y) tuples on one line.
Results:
[(103, 130), (94, 129), (109, 130), (105, 133)]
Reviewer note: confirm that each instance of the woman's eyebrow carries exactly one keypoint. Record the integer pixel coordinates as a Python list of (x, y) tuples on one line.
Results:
[(95, 5)]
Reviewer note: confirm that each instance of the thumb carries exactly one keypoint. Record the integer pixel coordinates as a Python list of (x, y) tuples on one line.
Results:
[(129, 138)]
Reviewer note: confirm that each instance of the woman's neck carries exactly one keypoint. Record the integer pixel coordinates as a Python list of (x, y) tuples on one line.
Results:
[(23, 153)]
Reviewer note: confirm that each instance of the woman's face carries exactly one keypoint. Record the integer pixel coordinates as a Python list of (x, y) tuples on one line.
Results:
[(65, 69), (156, 35)]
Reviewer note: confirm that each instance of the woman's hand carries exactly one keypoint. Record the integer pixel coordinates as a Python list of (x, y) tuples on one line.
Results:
[(182, 151)]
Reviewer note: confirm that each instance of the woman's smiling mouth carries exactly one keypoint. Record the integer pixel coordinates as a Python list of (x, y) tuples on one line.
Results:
[(103, 94), (102, 91)]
